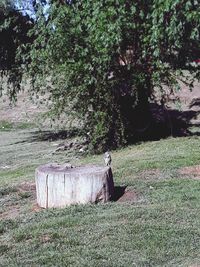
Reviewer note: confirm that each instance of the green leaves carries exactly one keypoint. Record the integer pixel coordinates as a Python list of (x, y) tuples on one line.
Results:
[(111, 56)]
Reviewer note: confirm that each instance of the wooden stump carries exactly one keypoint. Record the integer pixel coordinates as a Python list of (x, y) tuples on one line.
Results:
[(61, 185)]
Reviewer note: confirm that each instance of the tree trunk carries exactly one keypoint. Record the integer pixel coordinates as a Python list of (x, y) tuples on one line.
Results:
[(61, 185)]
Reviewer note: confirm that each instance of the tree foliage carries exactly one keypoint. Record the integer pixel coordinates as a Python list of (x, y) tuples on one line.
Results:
[(108, 59), (14, 28)]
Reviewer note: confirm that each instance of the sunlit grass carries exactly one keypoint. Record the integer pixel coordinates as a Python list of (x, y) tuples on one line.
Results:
[(160, 228)]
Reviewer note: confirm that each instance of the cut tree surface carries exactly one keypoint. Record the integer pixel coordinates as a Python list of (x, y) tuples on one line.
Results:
[(62, 185)]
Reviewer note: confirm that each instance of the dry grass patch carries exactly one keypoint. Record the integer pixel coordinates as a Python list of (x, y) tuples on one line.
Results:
[(191, 171)]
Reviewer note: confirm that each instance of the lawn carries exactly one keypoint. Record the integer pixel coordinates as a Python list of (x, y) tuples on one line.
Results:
[(157, 225)]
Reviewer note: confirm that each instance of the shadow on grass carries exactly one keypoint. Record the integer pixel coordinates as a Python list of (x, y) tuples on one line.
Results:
[(40, 136), (55, 135), (119, 191), (162, 123)]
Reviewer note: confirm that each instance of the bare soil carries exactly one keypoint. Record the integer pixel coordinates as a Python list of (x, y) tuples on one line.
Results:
[(24, 110), (27, 187), (24, 191), (129, 196), (11, 212), (186, 96), (192, 171)]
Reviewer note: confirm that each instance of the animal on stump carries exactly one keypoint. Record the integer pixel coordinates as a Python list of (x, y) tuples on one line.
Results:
[(107, 158)]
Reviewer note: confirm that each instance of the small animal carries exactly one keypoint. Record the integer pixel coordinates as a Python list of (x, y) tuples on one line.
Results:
[(107, 158)]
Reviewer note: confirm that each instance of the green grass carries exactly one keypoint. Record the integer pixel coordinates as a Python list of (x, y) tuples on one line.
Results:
[(7, 125), (160, 228)]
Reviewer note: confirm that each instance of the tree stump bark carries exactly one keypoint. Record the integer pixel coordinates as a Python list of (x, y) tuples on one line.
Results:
[(60, 185)]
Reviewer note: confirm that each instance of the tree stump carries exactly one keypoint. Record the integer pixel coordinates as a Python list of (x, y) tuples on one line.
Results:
[(61, 185)]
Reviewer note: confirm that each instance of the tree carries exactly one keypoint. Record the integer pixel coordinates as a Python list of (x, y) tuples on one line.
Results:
[(107, 59), (14, 28)]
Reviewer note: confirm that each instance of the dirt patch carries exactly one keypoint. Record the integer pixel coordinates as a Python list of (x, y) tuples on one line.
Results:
[(129, 196), (186, 96), (11, 213), (24, 110), (27, 186), (35, 207), (19, 201), (45, 238), (193, 171), (29, 189)]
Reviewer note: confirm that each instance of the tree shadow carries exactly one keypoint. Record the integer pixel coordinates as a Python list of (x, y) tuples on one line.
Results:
[(40, 136), (55, 135), (119, 191), (163, 123), (195, 103)]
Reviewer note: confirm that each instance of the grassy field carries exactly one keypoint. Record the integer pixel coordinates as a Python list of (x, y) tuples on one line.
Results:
[(157, 224)]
